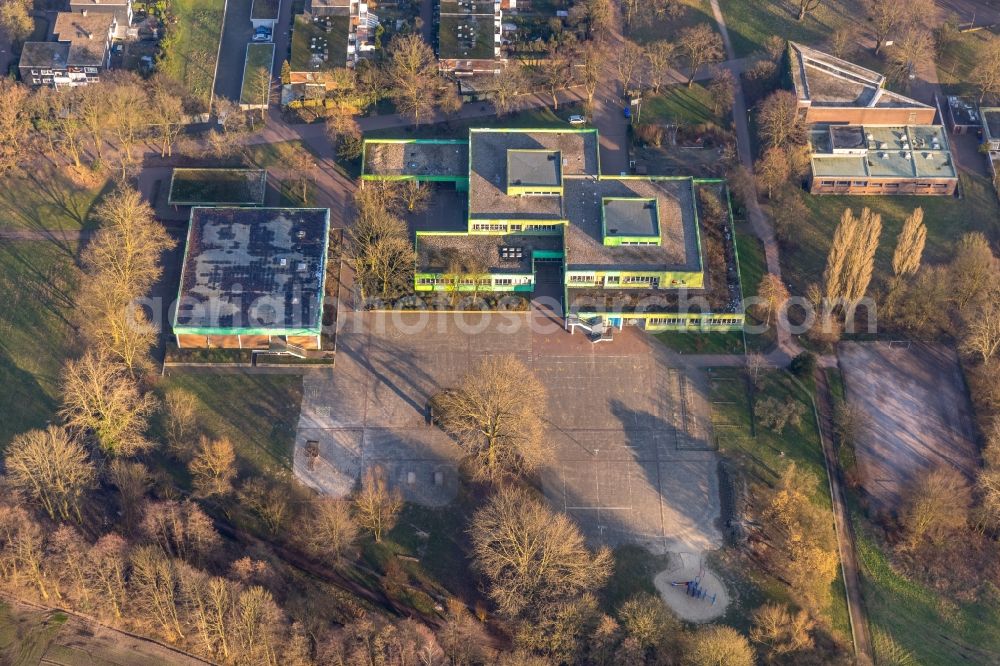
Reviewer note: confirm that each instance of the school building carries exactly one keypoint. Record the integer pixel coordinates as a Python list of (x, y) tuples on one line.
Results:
[(253, 278), (628, 249)]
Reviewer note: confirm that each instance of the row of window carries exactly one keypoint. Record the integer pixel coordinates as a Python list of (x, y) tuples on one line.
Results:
[(500, 282), (638, 243), (887, 186), (513, 228), (677, 321)]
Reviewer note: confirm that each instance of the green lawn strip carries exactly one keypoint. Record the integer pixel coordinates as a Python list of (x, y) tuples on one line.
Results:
[(751, 23), (259, 414), (753, 268), (267, 155), (259, 56), (47, 201), (191, 47), (709, 342), (947, 218), (680, 105), (38, 281), (932, 627)]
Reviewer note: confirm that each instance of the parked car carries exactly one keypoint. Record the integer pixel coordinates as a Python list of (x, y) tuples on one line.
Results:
[(262, 34), (576, 119), (628, 112)]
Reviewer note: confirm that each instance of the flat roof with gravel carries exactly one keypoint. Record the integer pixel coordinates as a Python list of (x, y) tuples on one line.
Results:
[(510, 253), (585, 248), (445, 158), (253, 270), (914, 151), (488, 197)]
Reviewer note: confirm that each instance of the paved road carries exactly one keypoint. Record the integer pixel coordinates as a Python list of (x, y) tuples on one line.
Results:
[(236, 34)]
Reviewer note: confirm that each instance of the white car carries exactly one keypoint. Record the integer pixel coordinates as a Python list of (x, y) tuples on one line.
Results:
[(262, 34), (577, 120)]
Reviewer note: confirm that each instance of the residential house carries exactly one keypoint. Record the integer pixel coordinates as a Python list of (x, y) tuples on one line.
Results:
[(121, 9), (469, 37), (80, 49)]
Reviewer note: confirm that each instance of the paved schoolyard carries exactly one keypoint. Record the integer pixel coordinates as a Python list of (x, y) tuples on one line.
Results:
[(631, 433), (919, 414)]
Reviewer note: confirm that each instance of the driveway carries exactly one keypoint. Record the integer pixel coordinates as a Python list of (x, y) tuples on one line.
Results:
[(236, 34), (633, 455)]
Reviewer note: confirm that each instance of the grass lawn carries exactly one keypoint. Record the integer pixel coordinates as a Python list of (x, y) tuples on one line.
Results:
[(709, 342), (679, 105), (459, 129), (957, 61), (930, 627), (267, 155), (946, 218), (47, 201), (259, 413), (191, 47), (761, 454), (38, 280), (647, 27), (253, 91), (753, 267), (750, 22)]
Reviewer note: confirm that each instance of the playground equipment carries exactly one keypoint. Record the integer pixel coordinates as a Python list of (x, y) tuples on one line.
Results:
[(694, 589)]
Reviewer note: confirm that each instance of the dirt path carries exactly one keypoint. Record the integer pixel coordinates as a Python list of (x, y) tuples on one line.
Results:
[(842, 523)]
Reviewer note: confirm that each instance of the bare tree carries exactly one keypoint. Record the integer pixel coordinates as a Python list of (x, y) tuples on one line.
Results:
[(153, 592), (49, 467), (376, 506), (723, 91), (270, 502), (981, 324), (700, 45), (14, 123), (22, 553), (102, 402), (935, 505), (166, 112), (778, 120), (132, 480), (659, 58), (780, 631), (447, 100), (181, 529), (972, 270), (910, 245), (301, 164), (107, 565), (646, 620), (591, 58), (411, 73), (914, 47), (257, 621), (773, 170), (94, 116), (508, 83), (774, 294), (806, 6), (127, 106), (416, 196), (329, 530), (555, 72), (495, 413), (850, 421), (986, 74), (852, 257), (532, 555), (180, 422), (776, 414), (390, 264), (213, 467), (629, 62), (718, 644), (889, 17)]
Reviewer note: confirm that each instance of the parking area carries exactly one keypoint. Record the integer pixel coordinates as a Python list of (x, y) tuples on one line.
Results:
[(633, 461), (918, 411)]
